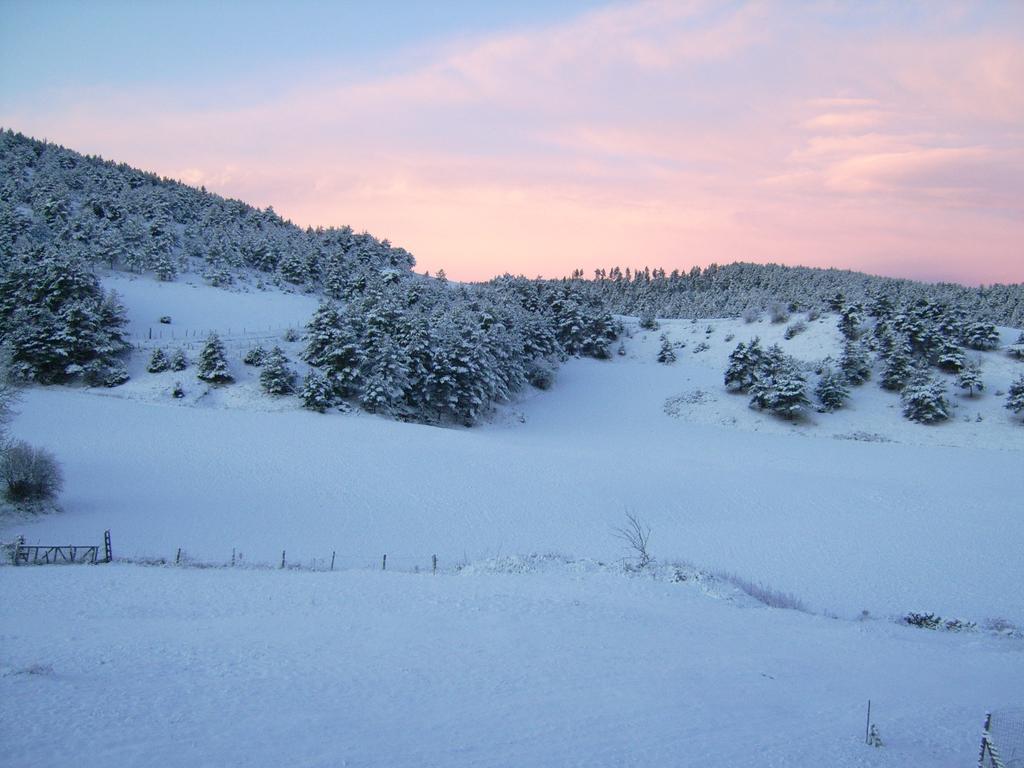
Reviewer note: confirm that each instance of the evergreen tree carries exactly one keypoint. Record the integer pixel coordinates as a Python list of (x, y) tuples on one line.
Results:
[(213, 365), (179, 362), (277, 378), (950, 357), (780, 387), (831, 391), (970, 378), (983, 336), (744, 362), (158, 361), (666, 354), (924, 399), (854, 363), (1015, 396), (316, 393), (849, 322)]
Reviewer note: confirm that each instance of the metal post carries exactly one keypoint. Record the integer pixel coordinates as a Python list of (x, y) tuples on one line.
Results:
[(107, 549), (384, 563), (434, 559), (282, 558), (867, 725), (984, 739), (332, 559)]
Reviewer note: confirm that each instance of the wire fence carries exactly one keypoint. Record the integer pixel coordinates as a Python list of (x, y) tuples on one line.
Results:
[(329, 562)]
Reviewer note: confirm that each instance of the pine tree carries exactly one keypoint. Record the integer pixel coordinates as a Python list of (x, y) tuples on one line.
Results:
[(950, 357), (780, 387), (854, 363), (316, 392), (158, 361), (981, 336), (970, 378), (179, 362), (277, 378), (924, 399), (1015, 396), (666, 354), (744, 362), (898, 367), (213, 365), (832, 391)]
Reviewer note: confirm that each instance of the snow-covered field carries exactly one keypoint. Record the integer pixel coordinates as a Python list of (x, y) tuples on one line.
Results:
[(858, 510)]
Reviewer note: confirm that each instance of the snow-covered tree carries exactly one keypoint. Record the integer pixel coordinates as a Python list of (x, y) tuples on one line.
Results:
[(981, 335), (924, 399), (1015, 396), (316, 392), (666, 354), (970, 378), (277, 378), (744, 362), (831, 391), (179, 361), (213, 365), (780, 388), (158, 361), (855, 363)]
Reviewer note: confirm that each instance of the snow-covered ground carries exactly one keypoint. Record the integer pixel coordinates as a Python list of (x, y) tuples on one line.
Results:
[(125, 665), (180, 666)]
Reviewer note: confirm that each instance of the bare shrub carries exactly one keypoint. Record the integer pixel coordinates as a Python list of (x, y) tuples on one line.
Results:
[(29, 473), (636, 535), (764, 594), (751, 315), (778, 312)]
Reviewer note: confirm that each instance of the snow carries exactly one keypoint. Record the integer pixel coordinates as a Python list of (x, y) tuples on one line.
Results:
[(856, 510), (176, 667)]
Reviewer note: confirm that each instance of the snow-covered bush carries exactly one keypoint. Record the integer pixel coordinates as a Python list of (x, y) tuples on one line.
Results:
[(970, 378), (256, 356), (29, 474), (648, 322), (793, 329), (751, 315), (541, 375), (983, 336), (854, 363)]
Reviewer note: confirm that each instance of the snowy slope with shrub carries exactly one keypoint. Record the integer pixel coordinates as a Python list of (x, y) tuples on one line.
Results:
[(891, 518), (501, 659)]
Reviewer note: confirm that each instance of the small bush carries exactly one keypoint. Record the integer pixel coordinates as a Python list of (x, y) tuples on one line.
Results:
[(922, 620), (702, 347), (256, 356), (813, 315), (29, 473), (751, 315), (291, 335), (541, 376), (778, 312), (794, 329), (764, 594), (648, 322), (165, 319)]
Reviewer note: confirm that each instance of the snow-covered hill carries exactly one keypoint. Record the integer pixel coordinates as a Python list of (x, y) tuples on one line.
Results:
[(852, 511)]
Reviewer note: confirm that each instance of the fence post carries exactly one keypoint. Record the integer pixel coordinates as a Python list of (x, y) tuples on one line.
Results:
[(434, 563), (867, 725), (282, 558), (107, 549), (384, 563), (232, 557), (177, 558), (332, 559), (984, 738)]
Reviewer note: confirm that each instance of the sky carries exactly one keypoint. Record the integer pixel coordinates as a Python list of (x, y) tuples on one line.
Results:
[(541, 137)]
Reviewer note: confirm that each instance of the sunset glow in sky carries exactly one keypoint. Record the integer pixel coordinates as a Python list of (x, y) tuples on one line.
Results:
[(886, 137)]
